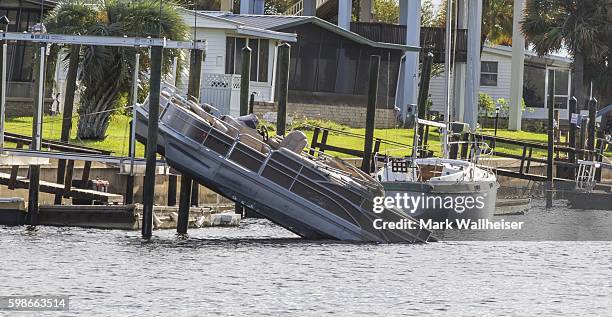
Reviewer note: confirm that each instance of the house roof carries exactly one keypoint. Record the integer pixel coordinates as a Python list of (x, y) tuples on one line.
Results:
[(280, 22), (530, 56), (216, 21)]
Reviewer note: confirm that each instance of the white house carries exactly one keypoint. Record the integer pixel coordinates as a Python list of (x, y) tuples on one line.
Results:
[(495, 73), (220, 81)]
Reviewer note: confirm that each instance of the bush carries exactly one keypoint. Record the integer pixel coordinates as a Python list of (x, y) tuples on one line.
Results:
[(486, 105)]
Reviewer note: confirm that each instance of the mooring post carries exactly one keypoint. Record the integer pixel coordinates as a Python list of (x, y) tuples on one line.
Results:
[(245, 86), (370, 112), (189, 189), (184, 199), (252, 102), (591, 136), (71, 76), (245, 79), (424, 92), (551, 146), (3, 83), (172, 184), (153, 127), (573, 102), (129, 184), (284, 54), (193, 90), (34, 186)]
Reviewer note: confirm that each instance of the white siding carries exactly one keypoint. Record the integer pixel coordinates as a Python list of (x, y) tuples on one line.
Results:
[(502, 90)]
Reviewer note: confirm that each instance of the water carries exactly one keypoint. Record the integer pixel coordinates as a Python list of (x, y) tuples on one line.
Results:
[(259, 269)]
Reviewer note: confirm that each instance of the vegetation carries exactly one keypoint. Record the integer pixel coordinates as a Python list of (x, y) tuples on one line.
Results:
[(105, 72), (582, 27), (117, 139)]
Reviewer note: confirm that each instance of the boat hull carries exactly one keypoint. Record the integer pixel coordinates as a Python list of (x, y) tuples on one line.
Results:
[(252, 189), (442, 201)]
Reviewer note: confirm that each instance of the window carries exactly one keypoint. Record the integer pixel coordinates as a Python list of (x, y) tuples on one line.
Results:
[(534, 86), (259, 57), (561, 79), (488, 74)]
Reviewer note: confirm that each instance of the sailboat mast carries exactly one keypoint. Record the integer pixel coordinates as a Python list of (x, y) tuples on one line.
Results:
[(447, 75)]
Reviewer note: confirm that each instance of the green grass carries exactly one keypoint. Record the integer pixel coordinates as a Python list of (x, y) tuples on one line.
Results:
[(117, 139), (405, 136), (118, 136)]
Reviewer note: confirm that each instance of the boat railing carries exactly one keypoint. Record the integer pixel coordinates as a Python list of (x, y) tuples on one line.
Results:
[(264, 159)]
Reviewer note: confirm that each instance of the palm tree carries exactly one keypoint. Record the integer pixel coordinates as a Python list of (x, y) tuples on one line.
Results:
[(497, 22), (105, 72), (577, 25)]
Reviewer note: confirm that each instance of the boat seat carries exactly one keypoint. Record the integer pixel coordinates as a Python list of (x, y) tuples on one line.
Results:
[(295, 141), (248, 135), (274, 142)]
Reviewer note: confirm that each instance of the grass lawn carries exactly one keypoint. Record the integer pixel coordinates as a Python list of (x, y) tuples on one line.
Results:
[(118, 136), (405, 136), (116, 140)]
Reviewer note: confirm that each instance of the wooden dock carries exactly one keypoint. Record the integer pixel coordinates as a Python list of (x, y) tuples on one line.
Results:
[(13, 181), (124, 217)]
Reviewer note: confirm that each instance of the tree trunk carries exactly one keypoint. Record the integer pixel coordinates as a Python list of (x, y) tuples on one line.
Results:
[(578, 80), (95, 111)]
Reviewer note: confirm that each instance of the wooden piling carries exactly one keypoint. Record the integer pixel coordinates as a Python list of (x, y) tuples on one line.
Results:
[(251, 103), (153, 127), (172, 184), (284, 54), (573, 103), (245, 80), (551, 145), (71, 77), (183, 213), (189, 190), (193, 90), (591, 127), (424, 91), (34, 173), (128, 197), (370, 112)]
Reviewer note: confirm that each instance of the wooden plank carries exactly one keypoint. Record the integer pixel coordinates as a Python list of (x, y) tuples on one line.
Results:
[(54, 188)]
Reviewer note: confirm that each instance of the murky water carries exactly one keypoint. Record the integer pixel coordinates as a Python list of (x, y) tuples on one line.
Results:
[(261, 269)]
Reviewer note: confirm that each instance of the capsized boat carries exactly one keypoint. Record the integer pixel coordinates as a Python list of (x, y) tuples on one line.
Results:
[(316, 198)]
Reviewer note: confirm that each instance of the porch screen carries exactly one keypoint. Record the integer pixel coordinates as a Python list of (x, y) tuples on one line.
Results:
[(259, 57), (322, 61)]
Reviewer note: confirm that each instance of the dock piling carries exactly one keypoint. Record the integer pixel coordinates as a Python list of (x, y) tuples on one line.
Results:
[(193, 90), (153, 127), (183, 212), (424, 91), (245, 79), (71, 77), (370, 112), (189, 189), (551, 146), (573, 103), (591, 127), (284, 54), (3, 84), (34, 187)]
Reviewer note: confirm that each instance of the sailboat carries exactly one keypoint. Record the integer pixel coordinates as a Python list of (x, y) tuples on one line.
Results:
[(441, 188)]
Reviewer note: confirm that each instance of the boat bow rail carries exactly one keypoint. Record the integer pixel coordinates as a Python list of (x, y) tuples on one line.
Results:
[(281, 184)]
